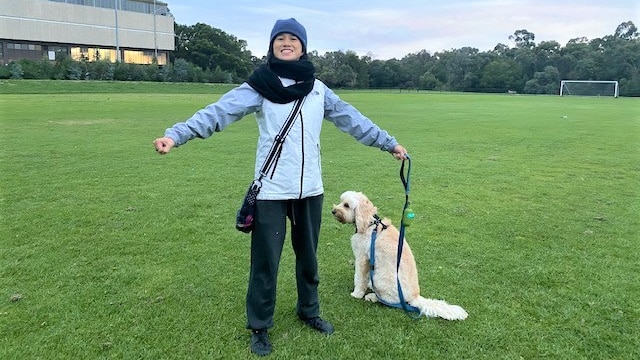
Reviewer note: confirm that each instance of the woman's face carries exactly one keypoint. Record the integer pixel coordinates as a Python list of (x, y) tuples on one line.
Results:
[(287, 47)]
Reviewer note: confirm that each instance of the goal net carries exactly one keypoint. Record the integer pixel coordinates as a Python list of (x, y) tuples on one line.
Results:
[(588, 88)]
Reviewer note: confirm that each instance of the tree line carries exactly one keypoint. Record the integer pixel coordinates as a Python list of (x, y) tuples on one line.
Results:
[(526, 67), (206, 54)]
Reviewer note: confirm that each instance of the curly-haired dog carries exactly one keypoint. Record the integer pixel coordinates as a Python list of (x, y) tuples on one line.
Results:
[(355, 208)]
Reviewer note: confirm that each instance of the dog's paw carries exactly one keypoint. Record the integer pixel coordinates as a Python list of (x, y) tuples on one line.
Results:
[(371, 297), (357, 294)]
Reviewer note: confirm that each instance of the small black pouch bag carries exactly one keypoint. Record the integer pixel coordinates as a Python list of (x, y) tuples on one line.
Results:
[(244, 216), (246, 213)]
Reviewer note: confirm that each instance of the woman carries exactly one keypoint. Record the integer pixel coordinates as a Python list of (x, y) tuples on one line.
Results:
[(294, 189)]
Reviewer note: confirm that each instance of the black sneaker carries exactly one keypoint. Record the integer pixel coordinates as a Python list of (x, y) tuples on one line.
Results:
[(320, 325), (260, 344)]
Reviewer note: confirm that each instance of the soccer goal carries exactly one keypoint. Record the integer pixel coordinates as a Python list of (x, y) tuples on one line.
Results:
[(589, 88)]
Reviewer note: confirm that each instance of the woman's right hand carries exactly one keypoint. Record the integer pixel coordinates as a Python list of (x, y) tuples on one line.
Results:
[(163, 145)]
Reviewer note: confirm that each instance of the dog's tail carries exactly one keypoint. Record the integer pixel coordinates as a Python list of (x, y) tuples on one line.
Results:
[(439, 308)]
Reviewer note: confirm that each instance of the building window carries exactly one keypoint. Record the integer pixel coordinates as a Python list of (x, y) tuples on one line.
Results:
[(162, 58), (28, 47), (136, 57), (61, 49), (78, 53), (93, 54), (55, 52), (143, 57)]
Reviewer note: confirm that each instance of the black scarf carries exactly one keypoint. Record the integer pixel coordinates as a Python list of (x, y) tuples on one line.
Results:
[(266, 82)]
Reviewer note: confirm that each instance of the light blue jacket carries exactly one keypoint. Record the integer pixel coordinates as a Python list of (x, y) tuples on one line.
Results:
[(298, 172)]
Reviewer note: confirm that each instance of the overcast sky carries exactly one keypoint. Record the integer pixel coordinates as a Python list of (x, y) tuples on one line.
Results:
[(385, 29)]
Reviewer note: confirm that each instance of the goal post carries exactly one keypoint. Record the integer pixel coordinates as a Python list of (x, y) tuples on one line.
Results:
[(589, 88)]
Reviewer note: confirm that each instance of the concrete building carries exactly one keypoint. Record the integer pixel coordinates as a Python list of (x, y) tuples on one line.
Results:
[(132, 31)]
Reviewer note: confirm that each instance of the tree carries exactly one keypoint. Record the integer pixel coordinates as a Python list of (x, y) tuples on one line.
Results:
[(544, 82), (360, 67), (221, 76), (343, 70), (180, 70), (501, 75), (428, 81), (627, 30), (414, 67), (501, 50), (547, 53), (383, 74), (464, 68), (208, 48), (523, 39), (575, 50)]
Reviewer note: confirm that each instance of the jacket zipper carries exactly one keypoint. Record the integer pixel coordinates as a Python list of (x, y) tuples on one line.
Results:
[(302, 149)]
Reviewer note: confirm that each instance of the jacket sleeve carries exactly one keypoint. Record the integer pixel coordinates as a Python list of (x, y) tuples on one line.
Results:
[(232, 106), (349, 120)]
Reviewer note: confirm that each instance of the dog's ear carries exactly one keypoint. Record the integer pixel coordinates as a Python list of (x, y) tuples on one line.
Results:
[(364, 212)]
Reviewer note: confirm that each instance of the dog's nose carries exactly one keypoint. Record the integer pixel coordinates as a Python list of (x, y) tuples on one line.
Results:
[(333, 211)]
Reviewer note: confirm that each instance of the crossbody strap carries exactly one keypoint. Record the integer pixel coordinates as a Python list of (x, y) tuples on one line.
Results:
[(276, 148)]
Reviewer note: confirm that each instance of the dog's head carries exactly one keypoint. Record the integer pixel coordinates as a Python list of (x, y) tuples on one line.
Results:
[(354, 208)]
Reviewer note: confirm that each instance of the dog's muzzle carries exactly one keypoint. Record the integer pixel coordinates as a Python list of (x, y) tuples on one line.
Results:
[(337, 215)]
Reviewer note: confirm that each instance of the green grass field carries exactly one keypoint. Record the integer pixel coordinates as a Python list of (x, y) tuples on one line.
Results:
[(528, 214)]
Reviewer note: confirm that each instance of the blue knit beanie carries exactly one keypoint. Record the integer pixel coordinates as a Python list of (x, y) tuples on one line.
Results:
[(291, 26)]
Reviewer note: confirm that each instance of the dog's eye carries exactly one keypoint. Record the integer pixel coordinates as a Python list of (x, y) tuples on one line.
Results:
[(346, 205)]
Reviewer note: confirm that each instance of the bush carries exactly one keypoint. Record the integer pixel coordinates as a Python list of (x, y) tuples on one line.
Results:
[(4, 72), (65, 68), (74, 71), (180, 71), (15, 70), (35, 69), (155, 72), (100, 70), (122, 72), (220, 76)]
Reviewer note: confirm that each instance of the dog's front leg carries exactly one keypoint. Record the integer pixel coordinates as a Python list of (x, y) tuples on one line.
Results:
[(360, 278)]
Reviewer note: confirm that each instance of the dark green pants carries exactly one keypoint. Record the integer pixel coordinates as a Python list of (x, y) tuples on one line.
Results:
[(267, 241)]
